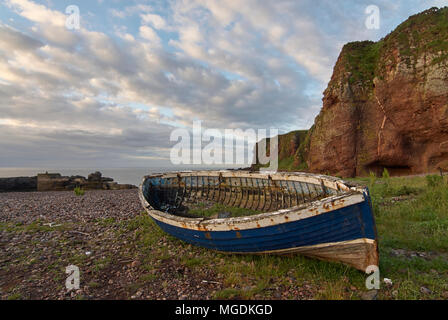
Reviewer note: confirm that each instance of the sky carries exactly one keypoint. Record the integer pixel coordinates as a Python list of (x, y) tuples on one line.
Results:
[(111, 92)]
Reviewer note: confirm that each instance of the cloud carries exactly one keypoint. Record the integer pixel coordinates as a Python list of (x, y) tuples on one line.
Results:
[(112, 91), (153, 19), (37, 12), (149, 34), (15, 40)]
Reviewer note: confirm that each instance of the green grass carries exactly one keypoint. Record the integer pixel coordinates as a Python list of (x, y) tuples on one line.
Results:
[(219, 208), (15, 296), (192, 262), (361, 60), (417, 223), (286, 164), (412, 214)]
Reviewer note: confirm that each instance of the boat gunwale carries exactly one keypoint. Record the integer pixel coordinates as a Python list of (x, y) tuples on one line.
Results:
[(351, 194)]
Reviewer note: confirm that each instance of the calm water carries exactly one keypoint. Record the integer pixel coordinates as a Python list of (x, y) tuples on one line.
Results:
[(121, 175)]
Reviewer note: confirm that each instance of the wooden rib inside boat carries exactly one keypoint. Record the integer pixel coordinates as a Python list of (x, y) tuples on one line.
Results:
[(318, 216)]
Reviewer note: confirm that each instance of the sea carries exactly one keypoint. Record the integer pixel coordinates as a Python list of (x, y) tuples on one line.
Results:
[(121, 175)]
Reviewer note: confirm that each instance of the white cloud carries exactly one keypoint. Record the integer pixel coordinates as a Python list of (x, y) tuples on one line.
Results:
[(153, 19), (149, 34), (37, 12)]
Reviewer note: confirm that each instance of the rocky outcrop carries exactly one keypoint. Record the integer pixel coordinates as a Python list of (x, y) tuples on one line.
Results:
[(18, 184), (95, 181), (57, 182), (386, 105)]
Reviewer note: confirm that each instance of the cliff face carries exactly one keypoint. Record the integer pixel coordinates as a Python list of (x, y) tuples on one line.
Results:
[(386, 105)]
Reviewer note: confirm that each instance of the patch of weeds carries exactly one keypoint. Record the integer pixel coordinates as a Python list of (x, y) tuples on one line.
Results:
[(146, 234), (148, 277), (246, 293), (78, 259), (434, 180), (15, 296), (192, 262), (79, 191), (102, 264), (107, 221), (94, 285), (333, 290), (228, 294), (163, 254)]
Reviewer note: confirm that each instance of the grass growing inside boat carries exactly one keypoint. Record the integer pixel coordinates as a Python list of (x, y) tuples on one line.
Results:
[(201, 209), (412, 221)]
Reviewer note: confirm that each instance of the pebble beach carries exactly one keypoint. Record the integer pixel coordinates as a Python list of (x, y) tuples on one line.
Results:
[(57, 207), (41, 233)]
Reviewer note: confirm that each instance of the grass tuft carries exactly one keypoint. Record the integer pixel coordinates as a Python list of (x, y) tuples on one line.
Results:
[(79, 191)]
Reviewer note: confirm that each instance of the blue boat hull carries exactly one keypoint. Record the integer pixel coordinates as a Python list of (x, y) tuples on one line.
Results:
[(345, 224), (341, 228)]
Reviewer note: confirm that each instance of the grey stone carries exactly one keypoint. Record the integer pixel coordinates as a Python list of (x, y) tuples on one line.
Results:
[(370, 295)]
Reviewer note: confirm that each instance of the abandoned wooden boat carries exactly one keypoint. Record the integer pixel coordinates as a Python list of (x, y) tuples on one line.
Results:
[(314, 215)]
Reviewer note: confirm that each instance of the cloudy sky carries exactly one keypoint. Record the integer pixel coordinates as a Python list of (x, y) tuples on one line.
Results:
[(110, 93)]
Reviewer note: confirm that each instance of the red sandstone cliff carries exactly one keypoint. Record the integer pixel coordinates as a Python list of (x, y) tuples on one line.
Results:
[(386, 105)]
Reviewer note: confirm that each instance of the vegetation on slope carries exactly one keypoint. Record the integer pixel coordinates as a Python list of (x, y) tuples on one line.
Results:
[(288, 146), (426, 32), (361, 61)]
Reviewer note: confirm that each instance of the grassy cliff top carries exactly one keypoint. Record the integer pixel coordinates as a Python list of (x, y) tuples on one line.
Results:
[(426, 32)]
